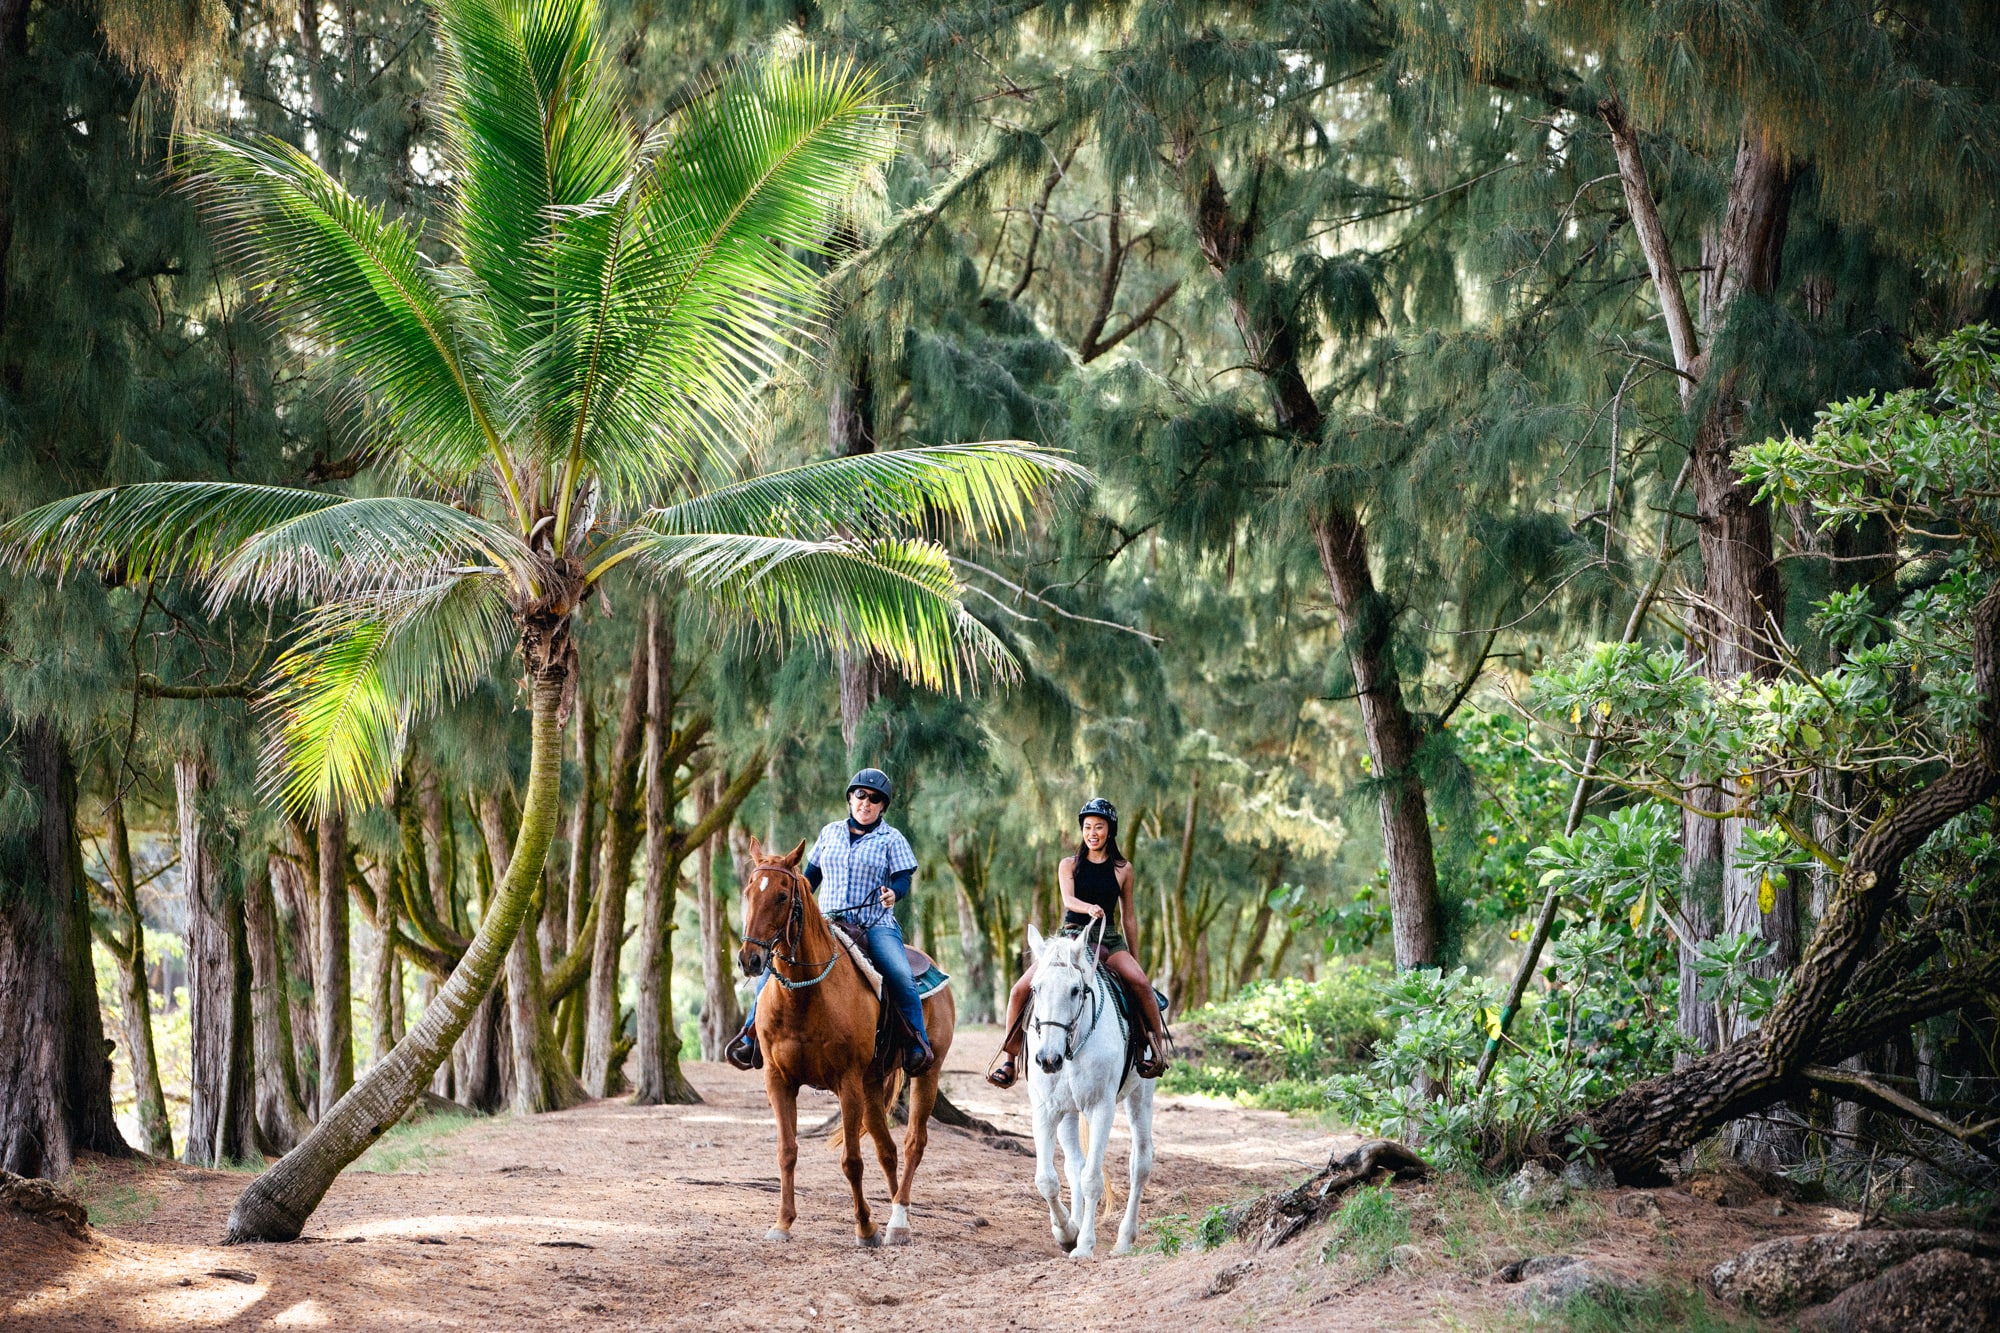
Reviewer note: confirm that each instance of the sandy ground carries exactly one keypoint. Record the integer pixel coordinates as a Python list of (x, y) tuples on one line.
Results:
[(615, 1216)]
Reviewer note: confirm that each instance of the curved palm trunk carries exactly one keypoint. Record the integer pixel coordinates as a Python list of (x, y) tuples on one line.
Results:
[(277, 1203)]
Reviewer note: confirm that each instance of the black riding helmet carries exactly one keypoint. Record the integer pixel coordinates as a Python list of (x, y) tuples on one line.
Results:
[(872, 779), (1100, 807)]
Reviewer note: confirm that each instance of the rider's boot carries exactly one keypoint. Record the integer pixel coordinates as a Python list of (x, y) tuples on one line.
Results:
[(742, 1050), (1159, 1052), (920, 1058), (1006, 1071)]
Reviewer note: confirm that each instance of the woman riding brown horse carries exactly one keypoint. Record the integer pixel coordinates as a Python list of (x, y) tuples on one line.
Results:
[(817, 1027)]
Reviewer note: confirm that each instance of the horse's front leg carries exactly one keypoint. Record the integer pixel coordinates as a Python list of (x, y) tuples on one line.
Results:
[(923, 1097), (1089, 1192), (1068, 1131), (1046, 1179), (1139, 1112), (785, 1106), (853, 1115)]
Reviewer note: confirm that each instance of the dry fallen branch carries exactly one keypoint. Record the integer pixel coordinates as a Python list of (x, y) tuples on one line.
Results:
[(1282, 1214)]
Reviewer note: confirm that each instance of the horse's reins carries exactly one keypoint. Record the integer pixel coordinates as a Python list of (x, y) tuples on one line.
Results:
[(793, 930), (1070, 1034)]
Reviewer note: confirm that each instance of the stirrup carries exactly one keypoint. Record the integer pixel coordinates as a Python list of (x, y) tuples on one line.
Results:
[(742, 1050), (919, 1059), (1002, 1073), (1158, 1056)]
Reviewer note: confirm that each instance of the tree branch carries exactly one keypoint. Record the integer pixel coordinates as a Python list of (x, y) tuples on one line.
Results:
[(1653, 240), (1857, 1087)]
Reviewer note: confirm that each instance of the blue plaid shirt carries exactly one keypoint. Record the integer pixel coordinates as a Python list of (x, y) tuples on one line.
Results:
[(855, 870)]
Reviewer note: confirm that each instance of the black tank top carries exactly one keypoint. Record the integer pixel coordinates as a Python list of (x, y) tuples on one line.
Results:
[(1096, 883)]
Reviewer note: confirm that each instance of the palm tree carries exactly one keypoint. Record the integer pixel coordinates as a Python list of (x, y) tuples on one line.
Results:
[(567, 394)]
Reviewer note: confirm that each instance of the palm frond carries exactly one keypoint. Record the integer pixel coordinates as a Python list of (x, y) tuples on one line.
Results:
[(378, 544), (154, 529), (361, 671), (895, 597), (985, 489), (709, 293), (532, 128), (352, 278)]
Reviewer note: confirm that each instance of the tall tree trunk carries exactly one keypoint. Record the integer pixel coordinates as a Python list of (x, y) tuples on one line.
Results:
[(1366, 618), (382, 976), (333, 992), (968, 868), (277, 1203), (582, 857), (601, 1073), (134, 997), (661, 1082), (1260, 926), (1741, 600), (294, 884), (221, 1105), (721, 1012), (541, 1078), (850, 430), (55, 1082), (280, 1113)]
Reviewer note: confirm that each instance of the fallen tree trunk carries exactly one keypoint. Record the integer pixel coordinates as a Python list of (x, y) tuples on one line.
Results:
[(1850, 990), (1281, 1215)]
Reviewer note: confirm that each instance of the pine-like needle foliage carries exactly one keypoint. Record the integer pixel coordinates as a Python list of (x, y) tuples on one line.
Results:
[(572, 390)]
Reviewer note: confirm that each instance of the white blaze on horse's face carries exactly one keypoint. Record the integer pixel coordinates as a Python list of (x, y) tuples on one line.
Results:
[(753, 958), (1062, 999)]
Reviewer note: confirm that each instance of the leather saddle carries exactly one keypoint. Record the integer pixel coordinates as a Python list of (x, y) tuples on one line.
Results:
[(1128, 1014), (893, 1038)]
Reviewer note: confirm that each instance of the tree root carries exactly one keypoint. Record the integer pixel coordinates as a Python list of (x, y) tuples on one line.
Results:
[(1281, 1215)]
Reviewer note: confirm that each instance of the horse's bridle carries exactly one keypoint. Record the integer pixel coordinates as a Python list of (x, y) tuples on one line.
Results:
[(1071, 1037), (791, 935)]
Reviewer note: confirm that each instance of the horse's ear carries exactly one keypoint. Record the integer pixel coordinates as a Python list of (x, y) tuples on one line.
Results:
[(1036, 944), (791, 859), (757, 852)]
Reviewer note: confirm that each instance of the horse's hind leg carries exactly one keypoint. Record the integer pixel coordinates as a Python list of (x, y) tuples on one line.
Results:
[(923, 1097), (854, 1102), (1139, 1112), (784, 1106)]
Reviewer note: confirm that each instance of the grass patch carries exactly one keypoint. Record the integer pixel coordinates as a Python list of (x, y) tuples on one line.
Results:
[(110, 1203), (409, 1148), (1650, 1307), (1370, 1224)]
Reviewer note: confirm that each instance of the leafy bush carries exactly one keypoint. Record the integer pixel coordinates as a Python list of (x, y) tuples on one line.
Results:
[(1604, 1022), (1274, 1043)]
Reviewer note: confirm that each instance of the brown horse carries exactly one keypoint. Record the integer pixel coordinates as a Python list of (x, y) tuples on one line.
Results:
[(816, 1025)]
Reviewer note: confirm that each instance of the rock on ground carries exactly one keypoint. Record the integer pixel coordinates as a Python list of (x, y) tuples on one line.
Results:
[(1780, 1276), (1534, 1186), (1940, 1291), (1551, 1280)]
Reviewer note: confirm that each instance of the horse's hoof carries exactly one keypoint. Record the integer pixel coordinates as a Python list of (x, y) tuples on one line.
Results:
[(1124, 1247), (777, 1233), (1081, 1253), (871, 1241), (899, 1235)]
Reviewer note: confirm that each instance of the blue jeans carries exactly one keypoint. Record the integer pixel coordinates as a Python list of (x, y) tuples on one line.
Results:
[(885, 948)]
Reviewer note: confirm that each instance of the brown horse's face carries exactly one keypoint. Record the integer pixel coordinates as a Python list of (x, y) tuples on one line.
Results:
[(769, 900)]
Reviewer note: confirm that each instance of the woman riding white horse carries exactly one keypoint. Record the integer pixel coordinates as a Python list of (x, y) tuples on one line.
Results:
[(1076, 1078)]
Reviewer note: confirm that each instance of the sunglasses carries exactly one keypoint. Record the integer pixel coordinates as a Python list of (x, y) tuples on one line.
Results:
[(872, 797)]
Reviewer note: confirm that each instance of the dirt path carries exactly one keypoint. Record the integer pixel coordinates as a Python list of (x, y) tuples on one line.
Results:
[(615, 1216)]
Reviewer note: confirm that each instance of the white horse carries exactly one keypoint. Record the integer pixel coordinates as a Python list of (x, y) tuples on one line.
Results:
[(1078, 1055)]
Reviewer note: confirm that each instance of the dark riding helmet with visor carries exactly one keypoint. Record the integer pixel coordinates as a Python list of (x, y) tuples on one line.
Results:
[(1100, 807), (871, 779)]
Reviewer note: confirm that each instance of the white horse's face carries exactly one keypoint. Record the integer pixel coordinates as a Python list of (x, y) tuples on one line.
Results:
[(1060, 1013)]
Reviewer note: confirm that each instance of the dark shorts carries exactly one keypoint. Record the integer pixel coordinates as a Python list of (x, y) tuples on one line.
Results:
[(1112, 940)]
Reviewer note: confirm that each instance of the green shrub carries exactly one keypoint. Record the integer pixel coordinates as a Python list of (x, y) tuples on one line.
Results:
[(1274, 1043)]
